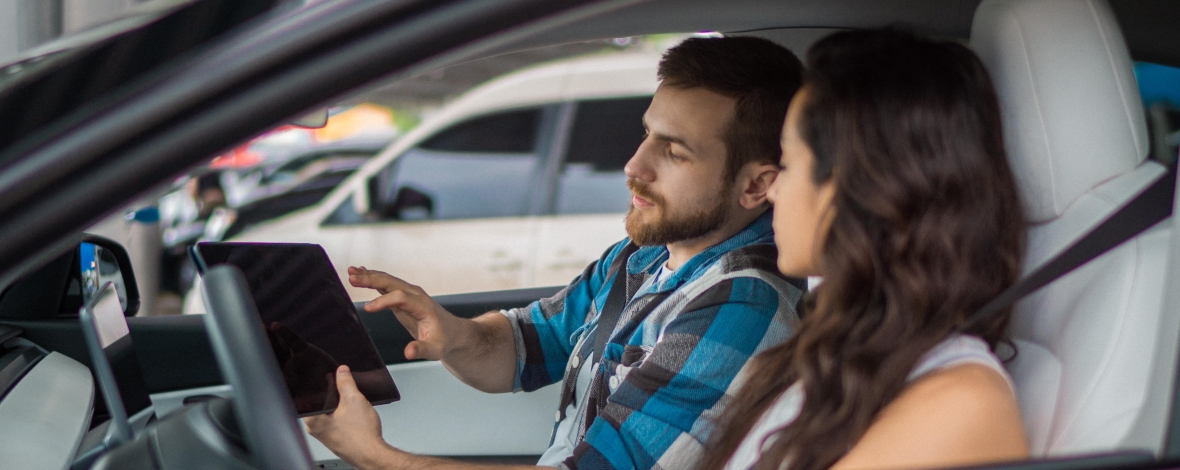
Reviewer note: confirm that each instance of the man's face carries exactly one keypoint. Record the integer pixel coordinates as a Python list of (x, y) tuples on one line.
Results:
[(679, 190)]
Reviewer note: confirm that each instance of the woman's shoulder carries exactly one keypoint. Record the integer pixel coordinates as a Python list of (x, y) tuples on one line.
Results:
[(960, 383), (968, 386), (959, 350), (962, 411)]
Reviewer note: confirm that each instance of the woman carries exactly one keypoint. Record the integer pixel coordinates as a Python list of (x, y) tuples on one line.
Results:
[(895, 188)]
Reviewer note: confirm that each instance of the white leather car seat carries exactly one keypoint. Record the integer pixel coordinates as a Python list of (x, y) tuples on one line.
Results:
[(1077, 139)]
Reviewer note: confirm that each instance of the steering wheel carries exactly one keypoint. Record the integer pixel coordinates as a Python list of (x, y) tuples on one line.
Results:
[(262, 404)]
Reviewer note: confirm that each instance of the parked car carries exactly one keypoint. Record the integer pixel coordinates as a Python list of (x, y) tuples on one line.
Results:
[(288, 179), (533, 160), (284, 169), (84, 133)]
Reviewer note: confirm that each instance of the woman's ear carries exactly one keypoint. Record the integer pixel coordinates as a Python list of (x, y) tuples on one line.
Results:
[(755, 179)]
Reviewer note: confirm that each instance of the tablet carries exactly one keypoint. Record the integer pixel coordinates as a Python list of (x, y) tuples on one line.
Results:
[(311, 321), (115, 366)]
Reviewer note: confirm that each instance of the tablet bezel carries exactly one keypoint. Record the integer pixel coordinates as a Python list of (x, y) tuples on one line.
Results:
[(203, 265)]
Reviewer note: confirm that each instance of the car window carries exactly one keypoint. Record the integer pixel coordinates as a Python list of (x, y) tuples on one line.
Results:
[(481, 167), (345, 214), (510, 132), (606, 134)]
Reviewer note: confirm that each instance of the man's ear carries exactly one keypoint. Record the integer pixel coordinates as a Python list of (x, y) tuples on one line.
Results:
[(755, 179)]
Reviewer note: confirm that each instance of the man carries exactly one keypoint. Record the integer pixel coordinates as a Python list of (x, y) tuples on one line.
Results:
[(649, 339)]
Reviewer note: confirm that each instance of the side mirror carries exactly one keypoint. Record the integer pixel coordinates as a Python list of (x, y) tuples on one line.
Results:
[(412, 204), (313, 120), (62, 285), (102, 260)]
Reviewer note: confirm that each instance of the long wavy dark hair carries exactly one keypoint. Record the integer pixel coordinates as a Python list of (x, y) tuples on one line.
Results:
[(926, 227)]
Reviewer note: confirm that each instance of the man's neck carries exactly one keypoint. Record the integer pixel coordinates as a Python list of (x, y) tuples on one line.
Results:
[(681, 251)]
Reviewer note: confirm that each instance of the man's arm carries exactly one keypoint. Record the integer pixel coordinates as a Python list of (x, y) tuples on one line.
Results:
[(486, 359), (525, 348), (480, 352)]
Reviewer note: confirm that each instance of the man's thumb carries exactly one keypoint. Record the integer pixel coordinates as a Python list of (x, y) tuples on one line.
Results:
[(345, 383)]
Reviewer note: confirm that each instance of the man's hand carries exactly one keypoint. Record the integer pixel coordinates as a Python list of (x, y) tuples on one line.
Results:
[(353, 431), (434, 329), (480, 352)]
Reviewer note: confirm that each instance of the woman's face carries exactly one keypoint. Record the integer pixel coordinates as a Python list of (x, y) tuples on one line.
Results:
[(802, 212)]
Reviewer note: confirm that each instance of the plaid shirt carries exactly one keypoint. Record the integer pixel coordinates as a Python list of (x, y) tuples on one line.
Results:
[(672, 370)]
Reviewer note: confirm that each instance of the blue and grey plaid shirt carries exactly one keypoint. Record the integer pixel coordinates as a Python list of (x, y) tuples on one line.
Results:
[(671, 371)]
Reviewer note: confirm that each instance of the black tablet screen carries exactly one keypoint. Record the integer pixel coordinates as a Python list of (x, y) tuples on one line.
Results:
[(310, 320)]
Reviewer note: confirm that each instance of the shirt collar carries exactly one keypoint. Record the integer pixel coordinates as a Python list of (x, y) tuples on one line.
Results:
[(648, 259)]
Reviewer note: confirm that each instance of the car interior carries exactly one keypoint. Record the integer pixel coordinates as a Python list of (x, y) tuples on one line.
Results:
[(1096, 352)]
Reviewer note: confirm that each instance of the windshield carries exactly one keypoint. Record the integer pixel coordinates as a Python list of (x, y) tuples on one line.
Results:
[(63, 77)]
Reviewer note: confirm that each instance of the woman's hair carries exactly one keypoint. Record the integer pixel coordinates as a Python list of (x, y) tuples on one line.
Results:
[(926, 227)]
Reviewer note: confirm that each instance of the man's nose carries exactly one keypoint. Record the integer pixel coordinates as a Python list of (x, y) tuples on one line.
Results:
[(639, 166)]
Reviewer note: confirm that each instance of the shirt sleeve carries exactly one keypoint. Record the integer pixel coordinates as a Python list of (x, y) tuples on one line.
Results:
[(546, 331), (664, 408)]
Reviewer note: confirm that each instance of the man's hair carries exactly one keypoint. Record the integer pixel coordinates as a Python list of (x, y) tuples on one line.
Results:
[(761, 75)]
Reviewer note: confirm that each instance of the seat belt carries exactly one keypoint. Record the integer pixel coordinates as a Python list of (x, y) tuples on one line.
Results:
[(616, 301), (1151, 206), (608, 318)]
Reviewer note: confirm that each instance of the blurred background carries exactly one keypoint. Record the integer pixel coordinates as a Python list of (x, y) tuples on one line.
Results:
[(500, 173), (239, 194)]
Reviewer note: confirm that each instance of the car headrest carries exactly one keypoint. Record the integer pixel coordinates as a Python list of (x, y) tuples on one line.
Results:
[(1071, 108)]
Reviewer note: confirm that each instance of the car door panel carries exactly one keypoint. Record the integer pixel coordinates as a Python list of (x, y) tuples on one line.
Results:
[(437, 415), (567, 244), (445, 257)]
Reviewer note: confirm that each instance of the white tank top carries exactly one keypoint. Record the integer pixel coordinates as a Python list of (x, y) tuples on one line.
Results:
[(954, 351)]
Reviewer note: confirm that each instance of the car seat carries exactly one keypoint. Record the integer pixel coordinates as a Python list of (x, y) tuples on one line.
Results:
[(1095, 354)]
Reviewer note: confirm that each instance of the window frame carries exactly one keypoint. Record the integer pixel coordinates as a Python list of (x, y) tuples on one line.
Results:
[(549, 131), (568, 123)]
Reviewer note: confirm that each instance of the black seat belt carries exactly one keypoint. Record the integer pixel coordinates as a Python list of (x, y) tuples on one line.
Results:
[(1145, 210), (608, 318), (616, 301)]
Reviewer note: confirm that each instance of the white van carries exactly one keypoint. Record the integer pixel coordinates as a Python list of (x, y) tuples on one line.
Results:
[(519, 183)]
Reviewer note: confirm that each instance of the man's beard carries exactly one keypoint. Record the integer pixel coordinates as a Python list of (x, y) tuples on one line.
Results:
[(673, 228)]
